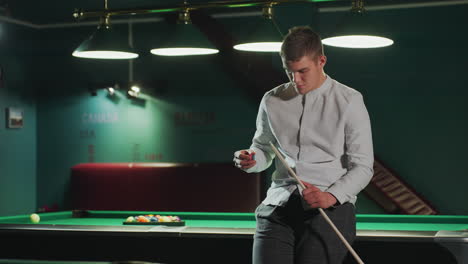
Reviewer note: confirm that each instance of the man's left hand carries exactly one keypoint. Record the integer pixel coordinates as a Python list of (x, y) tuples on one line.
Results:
[(316, 198)]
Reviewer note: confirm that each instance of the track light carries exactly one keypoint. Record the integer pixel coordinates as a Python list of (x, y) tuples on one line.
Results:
[(134, 91), (111, 90)]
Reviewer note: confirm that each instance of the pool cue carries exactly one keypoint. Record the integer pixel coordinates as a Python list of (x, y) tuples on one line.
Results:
[(355, 255)]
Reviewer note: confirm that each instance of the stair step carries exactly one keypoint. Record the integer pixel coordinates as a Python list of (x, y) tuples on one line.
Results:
[(408, 200), (390, 187), (384, 182), (424, 211), (410, 203), (396, 188), (378, 175), (397, 192), (403, 196), (416, 208)]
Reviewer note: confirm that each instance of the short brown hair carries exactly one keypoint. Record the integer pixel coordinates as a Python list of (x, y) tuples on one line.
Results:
[(301, 41)]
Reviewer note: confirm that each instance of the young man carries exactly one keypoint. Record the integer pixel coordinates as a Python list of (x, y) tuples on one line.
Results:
[(323, 130)]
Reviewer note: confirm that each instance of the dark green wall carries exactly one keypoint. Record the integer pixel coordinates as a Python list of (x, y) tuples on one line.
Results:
[(193, 110), (17, 145), (416, 93), (185, 113)]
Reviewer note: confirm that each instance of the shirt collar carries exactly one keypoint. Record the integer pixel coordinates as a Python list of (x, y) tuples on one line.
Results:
[(325, 85)]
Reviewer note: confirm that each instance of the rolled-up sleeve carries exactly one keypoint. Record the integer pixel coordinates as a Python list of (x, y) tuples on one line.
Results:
[(358, 150), (264, 155)]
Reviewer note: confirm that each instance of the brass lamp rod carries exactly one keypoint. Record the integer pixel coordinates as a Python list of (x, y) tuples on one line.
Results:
[(358, 6), (79, 14)]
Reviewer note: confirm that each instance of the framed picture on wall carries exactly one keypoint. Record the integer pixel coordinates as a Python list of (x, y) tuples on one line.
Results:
[(14, 117)]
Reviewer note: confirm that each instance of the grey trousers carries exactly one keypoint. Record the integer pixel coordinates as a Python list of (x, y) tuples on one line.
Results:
[(291, 235)]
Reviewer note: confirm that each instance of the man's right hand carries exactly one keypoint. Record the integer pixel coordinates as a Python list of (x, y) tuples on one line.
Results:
[(244, 159)]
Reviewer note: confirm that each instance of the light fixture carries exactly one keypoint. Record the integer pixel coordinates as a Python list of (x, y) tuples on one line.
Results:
[(134, 90), (105, 43), (110, 90), (266, 37), (186, 40), (356, 31)]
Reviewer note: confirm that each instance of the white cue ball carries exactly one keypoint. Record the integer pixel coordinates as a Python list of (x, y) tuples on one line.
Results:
[(35, 218)]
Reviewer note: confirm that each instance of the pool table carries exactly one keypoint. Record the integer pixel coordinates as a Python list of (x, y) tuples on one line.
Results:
[(218, 238)]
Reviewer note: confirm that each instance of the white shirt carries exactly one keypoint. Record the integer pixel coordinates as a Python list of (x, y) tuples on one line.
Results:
[(324, 135)]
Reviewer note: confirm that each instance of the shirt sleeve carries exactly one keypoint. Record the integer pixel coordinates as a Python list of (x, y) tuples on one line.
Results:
[(264, 155), (358, 150)]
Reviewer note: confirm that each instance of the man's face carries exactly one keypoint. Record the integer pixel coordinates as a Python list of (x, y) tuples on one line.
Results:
[(306, 73)]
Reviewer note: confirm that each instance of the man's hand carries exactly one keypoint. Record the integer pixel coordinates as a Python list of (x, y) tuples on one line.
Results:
[(244, 159), (316, 198)]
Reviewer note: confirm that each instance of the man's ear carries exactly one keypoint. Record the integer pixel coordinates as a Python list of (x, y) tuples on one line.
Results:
[(322, 60)]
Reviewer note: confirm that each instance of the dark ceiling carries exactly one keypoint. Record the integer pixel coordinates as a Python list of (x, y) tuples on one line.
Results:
[(254, 73), (61, 11)]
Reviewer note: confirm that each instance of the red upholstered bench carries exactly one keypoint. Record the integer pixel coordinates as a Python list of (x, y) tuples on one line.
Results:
[(205, 187)]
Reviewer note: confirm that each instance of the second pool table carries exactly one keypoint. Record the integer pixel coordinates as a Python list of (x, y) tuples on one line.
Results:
[(218, 238)]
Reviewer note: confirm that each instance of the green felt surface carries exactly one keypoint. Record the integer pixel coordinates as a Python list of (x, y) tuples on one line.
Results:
[(412, 222), (247, 220)]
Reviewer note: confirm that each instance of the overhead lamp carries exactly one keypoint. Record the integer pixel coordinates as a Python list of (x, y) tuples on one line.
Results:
[(266, 37), (105, 43), (356, 31), (186, 40)]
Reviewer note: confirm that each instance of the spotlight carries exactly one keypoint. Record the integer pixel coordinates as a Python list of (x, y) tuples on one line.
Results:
[(134, 91), (111, 90)]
